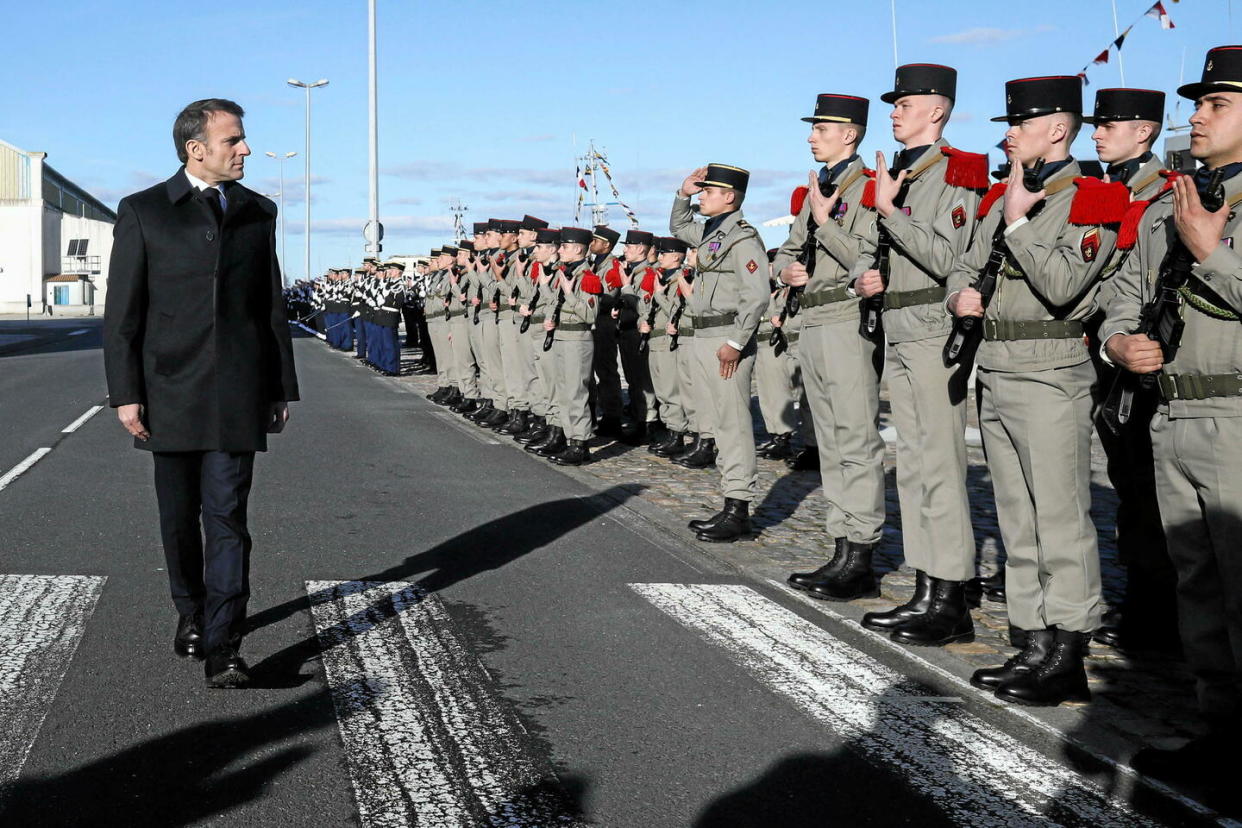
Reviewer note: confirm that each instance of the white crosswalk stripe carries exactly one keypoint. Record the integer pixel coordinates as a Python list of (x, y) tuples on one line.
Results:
[(428, 739), (42, 619), (976, 774)]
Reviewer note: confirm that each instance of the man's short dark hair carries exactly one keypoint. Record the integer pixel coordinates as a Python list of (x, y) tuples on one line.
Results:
[(191, 124)]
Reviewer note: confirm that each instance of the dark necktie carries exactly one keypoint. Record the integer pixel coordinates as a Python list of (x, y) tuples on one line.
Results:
[(212, 196)]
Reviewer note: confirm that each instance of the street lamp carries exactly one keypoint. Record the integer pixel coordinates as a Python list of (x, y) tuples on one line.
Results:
[(308, 87), (284, 260)]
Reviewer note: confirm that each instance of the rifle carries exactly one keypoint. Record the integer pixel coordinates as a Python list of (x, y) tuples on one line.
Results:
[(871, 324), (556, 320), (651, 317), (806, 258), (674, 319), (964, 337), (1161, 319)]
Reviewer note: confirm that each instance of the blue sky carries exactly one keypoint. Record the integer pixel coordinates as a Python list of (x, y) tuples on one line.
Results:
[(481, 101)]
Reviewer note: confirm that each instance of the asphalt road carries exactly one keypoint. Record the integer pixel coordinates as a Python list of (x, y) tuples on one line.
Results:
[(603, 699)]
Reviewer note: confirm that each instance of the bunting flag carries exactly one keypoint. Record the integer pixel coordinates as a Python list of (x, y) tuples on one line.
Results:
[(1157, 12)]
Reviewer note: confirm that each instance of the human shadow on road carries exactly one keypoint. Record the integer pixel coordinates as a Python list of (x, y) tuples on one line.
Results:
[(783, 498), (480, 549)]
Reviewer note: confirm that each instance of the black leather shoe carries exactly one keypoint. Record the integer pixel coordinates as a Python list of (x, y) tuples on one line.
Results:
[(805, 460), (853, 579), (466, 405), (188, 642), (780, 448), (947, 618), (1038, 646), (1018, 637), (224, 668), (534, 426), (657, 432), (555, 444), (994, 587), (517, 423), (761, 450), (673, 446), (497, 417), (704, 455), (974, 593), (918, 604), (575, 454), (1060, 677), (609, 427), (1109, 633), (804, 580), (453, 397), (482, 411), (703, 523), (439, 394), (734, 523), (634, 434)]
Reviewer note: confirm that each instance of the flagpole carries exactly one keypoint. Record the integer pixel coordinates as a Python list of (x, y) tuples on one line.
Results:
[(1121, 64), (893, 16)]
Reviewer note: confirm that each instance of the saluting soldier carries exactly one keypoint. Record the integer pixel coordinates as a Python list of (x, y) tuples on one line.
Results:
[(1035, 377), (1127, 123), (926, 203), (536, 306), (607, 379), (1190, 251), (662, 362), (728, 302), (577, 297)]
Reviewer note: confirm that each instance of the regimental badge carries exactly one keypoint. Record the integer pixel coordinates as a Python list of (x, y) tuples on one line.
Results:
[(712, 247), (591, 301), (1227, 242), (751, 266), (905, 210), (959, 216), (838, 212), (1090, 244)]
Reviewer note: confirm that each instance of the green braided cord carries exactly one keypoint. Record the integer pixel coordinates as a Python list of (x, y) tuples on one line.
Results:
[(1204, 306)]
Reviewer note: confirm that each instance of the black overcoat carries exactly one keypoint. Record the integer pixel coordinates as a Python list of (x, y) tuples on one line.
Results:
[(194, 322)]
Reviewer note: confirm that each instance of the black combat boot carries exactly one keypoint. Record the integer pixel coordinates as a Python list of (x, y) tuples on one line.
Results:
[(853, 579), (438, 394), (947, 618), (482, 411), (575, 454), (761, 450), (634, 434), (1060, 677), (804, 580), (704, 523), (780, 448), (657, 432), (517, 423), (994, 586), (918, 604), (1038, 645), (609, 427), (464, 406), (974, 593), (805, 460), (497, 417), (1018, 637), (555, 444), (692, 442), (454, 396), (673, 446), (536, 427), (704, 455), (733, 524)]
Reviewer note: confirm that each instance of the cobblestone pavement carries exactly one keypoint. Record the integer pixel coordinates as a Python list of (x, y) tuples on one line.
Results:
[(1137, 701)]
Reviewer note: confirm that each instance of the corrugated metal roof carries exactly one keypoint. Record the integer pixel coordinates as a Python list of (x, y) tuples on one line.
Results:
[(14, 173)]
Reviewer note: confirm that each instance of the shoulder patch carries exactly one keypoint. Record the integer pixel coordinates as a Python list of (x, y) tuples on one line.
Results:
[(959, 216), (751, 266), (1090, 244)]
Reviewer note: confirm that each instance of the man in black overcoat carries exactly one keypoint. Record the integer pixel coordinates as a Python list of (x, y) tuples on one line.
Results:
[(200, 368)]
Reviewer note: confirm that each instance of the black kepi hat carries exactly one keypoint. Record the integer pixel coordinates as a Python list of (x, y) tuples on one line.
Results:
[(923, 79), (481, 227), (531, 223), (546, 235), (1127, 105), (448, 250), (669, 244), (840, 109), (603, 231), (639, 237), (722, 175), (508, 225), (1222, 72), (466, 245), (1032, 97), (576, 235)]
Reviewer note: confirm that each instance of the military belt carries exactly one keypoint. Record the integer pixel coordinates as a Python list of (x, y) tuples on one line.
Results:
[(536, 319), (910, 298), (825, 297), (791, 338), (657, 333), (1006, 330), (719, 321), (456, 313), (573, 327), (1199, 386)]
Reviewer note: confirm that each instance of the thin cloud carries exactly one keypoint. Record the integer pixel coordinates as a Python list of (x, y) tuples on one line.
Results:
[(984, 35), (392, 224)]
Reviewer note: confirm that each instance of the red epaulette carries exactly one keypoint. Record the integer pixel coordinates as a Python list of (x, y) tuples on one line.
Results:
[(966, 169), (868, 196), (534, 271), (648, 285), (1098, 203), (1169, 177), (991, 197), (614, 275), (1127, 234), (591, 283), (797, 199)]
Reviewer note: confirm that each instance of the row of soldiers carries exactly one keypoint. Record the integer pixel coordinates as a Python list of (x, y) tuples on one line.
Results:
[(1073, 301)]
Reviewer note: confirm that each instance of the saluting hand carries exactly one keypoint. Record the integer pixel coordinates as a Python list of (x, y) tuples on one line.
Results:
[(886, 187), (690, 185), (821, 205), (1200, 230)]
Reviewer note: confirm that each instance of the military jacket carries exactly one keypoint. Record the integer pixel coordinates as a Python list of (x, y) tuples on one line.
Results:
[(732, 284), (581, 301), (836, 249)]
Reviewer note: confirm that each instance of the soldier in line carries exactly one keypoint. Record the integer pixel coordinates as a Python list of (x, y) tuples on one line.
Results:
[(1196, 431), (778, 378), (607, 379), (519, 367), (663, 296), (472, 296), (536, 304), (501, 238), (926, 203), (1035, 377), (438, 319), (643, 409), (426, 364), (359, 308), (728, 302), (387, 316), (451, 264)]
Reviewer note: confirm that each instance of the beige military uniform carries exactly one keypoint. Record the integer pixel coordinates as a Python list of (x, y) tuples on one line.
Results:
[(778, 379), (539, 299), (470, 288), (662, 362), (438, 327), (730, 296), (929, 233), (680, 310), (493, 291), (1034, 385), (519, 367), (1197, 442), (573, 348), (459, 338)]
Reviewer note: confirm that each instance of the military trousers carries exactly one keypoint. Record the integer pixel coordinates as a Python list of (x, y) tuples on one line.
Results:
[(604, 364), (495, 363), (438, 329), (841, 374), (1036, 428), (728, 400), (360, 336), (519, 369), (1200, 491), (475, 334), (643, 406), (686, 368), (929, 412), (545, 400), (778, 381), (463, 356), (573, 377), (665, 376)]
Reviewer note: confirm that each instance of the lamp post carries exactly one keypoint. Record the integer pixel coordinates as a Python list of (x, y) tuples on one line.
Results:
[(374, 233), (308, 87), (284, 260)]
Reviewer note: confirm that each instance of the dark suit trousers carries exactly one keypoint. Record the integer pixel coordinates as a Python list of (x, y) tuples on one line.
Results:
[(202, 499)]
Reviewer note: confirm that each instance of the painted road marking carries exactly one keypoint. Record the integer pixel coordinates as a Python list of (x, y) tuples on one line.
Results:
[(977, 775), (17, 471), (79, 332), (42, 619), (428, 739), (76, 424)]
